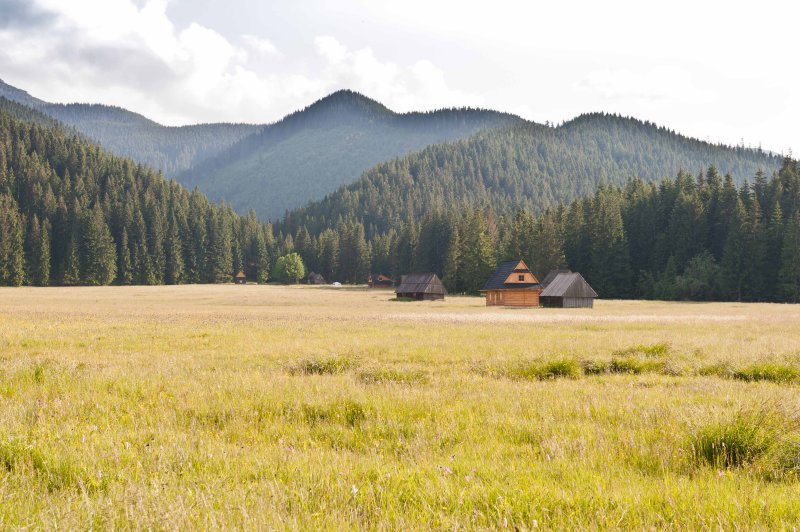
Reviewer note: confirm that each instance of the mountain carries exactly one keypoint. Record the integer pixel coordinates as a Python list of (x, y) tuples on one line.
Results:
[(314, 151), (526, 166), (169, 149)]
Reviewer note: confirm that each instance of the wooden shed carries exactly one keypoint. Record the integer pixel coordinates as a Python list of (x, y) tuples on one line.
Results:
[(379, 280), (512, 284), (568, 290), (240, 278), (421, 286), (316, 278)]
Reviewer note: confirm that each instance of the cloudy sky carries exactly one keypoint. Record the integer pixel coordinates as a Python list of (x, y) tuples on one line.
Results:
[(720, 71)]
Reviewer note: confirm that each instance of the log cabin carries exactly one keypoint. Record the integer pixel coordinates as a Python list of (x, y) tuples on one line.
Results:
[(240, 278), (512, 284), (378, 280)]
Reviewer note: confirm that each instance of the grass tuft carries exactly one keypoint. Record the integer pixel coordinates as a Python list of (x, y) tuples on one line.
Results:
[(396, 376), (348, 412), (739, 441), (646, 351), (322, 366), (534, 370), (768, 371)]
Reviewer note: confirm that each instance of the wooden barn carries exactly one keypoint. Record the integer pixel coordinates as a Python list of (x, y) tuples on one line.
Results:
[(568, 290), (316, 278), (421, 286), (512, 284), (378, 280), (240, 278)]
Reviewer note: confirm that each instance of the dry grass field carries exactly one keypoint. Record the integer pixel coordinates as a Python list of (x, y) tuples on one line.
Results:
[(312, 407)]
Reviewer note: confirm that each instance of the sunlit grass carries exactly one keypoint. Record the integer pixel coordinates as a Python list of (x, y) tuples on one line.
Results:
[(305, 408)]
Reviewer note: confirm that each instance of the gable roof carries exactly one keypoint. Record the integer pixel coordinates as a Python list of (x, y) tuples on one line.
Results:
[(420, 283), (568, 285), (240, 275), (498, 279), (552, 275)]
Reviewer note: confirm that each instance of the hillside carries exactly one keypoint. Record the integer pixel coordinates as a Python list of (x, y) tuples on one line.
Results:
[(169, 149), (73, 214), (526, 166), (312, 152)]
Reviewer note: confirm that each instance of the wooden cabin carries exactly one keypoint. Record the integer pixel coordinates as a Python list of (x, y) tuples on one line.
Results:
[(316, 278), (512, 284), (568, 290), (421, 286), (240, 278), (378, 280)]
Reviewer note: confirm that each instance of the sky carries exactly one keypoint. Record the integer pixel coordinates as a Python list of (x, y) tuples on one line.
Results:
[(719, 71)]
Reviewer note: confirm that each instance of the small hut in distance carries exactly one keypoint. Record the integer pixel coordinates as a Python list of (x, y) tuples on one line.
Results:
[(240, 278), (378, 280), (421, 286), (316, 278), (568, 290)]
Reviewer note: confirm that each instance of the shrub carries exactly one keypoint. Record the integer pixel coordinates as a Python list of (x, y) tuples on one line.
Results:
[(322, 366), (767, 371)]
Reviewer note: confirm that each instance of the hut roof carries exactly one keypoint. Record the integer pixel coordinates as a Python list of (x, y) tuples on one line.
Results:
[(552, 275), (498, 279), (568, 285), (420, 283), (316, 278), (240, 275)]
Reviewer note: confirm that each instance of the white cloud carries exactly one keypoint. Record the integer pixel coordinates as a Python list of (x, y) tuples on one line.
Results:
[(116, 53), (419, 86), (260, 45)]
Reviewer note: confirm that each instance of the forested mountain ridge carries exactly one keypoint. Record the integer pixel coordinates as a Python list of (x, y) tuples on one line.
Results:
[(71, 213), (165, 148), (313, 151), (526, 166)]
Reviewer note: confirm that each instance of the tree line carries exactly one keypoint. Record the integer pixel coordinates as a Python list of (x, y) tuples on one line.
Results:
[(72, 214), (694, 237)]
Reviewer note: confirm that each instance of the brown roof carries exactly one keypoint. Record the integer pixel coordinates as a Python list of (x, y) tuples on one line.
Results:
[(568, 285), (420, 283), (240, 275)]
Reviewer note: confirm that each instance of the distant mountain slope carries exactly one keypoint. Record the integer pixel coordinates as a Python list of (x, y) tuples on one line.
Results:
[(170, 149), (527, 166), (312, 152)]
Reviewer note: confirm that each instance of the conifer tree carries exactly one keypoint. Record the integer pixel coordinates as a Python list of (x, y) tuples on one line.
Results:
[(99, 250), (789, 275)]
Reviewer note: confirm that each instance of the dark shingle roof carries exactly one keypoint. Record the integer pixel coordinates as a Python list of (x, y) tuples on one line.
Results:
[(568, 285), (420, 283), (498, 278), (552, 275)]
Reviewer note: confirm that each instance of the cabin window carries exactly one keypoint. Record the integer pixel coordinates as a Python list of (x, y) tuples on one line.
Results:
[(521, 277)]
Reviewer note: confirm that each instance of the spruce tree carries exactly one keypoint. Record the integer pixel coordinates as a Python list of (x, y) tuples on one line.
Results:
[(789, 275), (99, 250)]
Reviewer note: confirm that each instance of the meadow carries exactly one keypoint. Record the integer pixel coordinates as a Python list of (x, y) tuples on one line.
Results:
[(312, 407)]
